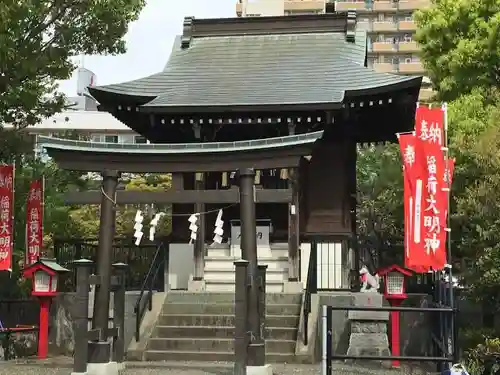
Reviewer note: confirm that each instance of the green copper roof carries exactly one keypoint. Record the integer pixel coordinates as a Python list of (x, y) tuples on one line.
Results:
[(179, 148), (260, 69)]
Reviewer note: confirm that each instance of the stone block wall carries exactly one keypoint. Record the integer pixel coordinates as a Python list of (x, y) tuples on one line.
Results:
[(61, 336)]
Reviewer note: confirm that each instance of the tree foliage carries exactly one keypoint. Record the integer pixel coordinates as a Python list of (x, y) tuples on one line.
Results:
[(38, 40), (460, 45), (87, 216)]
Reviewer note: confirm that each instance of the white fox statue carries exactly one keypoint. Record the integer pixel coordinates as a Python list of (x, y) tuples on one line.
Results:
[(367, 279)]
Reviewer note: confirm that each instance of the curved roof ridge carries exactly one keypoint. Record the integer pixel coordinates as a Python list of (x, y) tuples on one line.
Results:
[(167, 148)]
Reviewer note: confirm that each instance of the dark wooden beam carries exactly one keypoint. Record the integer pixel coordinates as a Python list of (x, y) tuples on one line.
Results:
[(184, 196)]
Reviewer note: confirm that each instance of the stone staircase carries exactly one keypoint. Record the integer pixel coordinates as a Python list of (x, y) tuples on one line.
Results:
[(220, 270), (200, 327)]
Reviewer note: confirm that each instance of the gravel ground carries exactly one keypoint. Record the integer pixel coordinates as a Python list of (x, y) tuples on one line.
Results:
[(62, 366)]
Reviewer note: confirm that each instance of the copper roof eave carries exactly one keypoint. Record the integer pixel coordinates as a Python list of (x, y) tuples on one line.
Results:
[(107, 96), (412, 83), (91, 161), (240, 108)]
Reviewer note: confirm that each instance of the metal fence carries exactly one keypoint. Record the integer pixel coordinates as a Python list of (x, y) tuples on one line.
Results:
[(19, 327), (138, 259), (442, 336)]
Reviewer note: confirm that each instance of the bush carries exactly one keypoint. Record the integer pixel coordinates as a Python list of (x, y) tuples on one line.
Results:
[(484, 358)]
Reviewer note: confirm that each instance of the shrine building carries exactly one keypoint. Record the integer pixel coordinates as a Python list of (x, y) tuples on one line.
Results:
[(290, 97)]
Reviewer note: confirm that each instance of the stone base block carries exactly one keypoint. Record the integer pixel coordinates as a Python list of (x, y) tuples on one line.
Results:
[(260, 370), (369, 299), (372, 299), (369, 315), (121, 366), (109, 368), (368, 340), (368, 327), (295, 287), (373, 351), (196, 286)]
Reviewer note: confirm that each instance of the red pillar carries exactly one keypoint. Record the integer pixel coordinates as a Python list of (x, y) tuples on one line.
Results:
[(395, 334), (43, 334)]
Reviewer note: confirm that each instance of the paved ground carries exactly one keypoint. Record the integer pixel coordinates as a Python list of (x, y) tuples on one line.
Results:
[(62, 366)]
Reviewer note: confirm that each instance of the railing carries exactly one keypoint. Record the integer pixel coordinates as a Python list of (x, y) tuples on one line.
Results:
[(138, 258), (19, 327), (145, 299), (445, 353), (311, 288)]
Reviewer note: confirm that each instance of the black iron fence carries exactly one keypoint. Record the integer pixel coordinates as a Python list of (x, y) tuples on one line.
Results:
[(138, 259), (19, 327), (443, 337)]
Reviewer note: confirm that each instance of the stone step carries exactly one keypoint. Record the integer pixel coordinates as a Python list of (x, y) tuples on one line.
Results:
[(178, 355), (218, 251), (227, 274), (224, 285), (191, 320), (217, 262), (224, 308), (204, 298), (214, 345), (272, 333)]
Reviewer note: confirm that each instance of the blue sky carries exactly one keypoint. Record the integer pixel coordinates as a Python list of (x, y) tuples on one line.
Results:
[(149, 40)]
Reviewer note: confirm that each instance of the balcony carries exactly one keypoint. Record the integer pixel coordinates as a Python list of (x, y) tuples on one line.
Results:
[(411, 68), (384, 26), (407, 26), (413, 4), (343, 6), (384, 47), (410, 47), (385, 6), (385, 67), (304, 6)]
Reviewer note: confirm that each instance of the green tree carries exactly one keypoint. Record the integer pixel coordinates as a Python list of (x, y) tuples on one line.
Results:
[(380, 210), (475, 141), (88, 216), (38, 40), (460, 45)]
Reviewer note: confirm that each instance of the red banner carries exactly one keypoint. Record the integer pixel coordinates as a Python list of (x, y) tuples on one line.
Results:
[(6, 216), (34, 221), (430, 142), (415, 256)]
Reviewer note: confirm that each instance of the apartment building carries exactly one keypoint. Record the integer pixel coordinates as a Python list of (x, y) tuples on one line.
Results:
[(389, 24)]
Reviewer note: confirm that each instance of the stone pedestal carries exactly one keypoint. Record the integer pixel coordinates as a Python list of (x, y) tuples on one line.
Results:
[(369, 329)]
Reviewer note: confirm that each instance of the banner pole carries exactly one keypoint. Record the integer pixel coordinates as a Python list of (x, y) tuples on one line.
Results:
[(13, 220), (42, 213), (451, 345)]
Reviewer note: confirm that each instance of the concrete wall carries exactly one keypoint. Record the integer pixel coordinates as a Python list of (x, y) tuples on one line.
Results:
[(181, 265), (61, 336)]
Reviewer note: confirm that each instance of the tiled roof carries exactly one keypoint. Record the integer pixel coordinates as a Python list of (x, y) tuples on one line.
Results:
[(260, 69)]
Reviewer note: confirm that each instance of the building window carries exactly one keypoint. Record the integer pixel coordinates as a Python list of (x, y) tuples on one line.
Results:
[(96, 138), (388, 59), (126, 138), (139, 139), (111, 138), (407, 38)]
